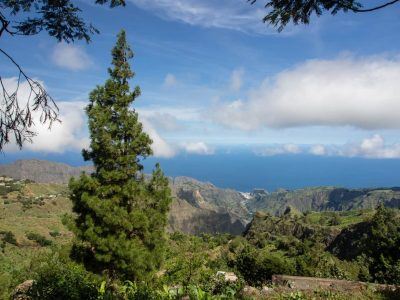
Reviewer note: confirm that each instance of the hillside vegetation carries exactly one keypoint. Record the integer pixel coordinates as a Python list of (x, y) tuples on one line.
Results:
[(319, 244), (324, 199), (307, 199)]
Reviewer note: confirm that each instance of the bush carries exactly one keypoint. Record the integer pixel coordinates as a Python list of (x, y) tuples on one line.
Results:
[(335, 220), (8, 237), (54, 233), (218, 285), (258, 266), (318, 263), (60, 279), (38, 238)]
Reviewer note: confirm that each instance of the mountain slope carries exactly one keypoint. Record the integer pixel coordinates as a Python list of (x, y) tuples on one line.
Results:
[(197, 207), (42, 171), (202, 207), (324, 198)]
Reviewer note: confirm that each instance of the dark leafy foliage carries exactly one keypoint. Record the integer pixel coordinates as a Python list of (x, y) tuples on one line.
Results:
[(8, 237), (38, 238), (62, 20), (59, 18), (257, 267)]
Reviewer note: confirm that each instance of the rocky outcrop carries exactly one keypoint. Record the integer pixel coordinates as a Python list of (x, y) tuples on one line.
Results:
[(21, 292), (189, 219), (202, 207), (205, 195)]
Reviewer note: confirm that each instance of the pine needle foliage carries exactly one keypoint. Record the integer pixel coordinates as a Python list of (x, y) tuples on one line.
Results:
[(120, 215)]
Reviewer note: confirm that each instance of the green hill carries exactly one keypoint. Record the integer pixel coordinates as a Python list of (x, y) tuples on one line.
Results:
[(324, 199)]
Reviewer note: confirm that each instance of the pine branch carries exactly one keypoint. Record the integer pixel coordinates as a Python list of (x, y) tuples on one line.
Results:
[(373, 8)]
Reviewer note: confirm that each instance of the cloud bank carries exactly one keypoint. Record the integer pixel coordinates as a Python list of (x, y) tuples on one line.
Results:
[(161, 148), (197, 148), (67, 135), (370, 147), (347, 91), (71, 57), (279, 149), (72, 134)]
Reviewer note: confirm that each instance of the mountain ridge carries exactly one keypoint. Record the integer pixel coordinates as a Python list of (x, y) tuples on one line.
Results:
[(200, 207), (197, 207)]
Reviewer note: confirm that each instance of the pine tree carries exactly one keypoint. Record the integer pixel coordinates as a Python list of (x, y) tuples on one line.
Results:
[(120, 215)]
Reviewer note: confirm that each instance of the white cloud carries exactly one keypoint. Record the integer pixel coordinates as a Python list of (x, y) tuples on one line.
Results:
[(161, 148), (197, 148), (70, 57), (68, 135), (372, 147), (318, 150), (226, 14), (165, 122), (72, 134), (179, 113), (359, 92), (279, 149), (237, 79), (170, 80)]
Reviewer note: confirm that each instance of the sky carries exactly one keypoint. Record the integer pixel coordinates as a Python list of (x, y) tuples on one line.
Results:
[(214, 78)]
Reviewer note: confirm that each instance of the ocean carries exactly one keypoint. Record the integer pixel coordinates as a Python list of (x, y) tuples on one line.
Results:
[(245, 171)]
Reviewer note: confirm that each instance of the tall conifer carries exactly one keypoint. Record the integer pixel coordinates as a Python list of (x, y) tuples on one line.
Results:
[(120, 216)]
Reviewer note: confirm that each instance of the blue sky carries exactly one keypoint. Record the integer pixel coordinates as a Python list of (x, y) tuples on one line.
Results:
[(213, 77)]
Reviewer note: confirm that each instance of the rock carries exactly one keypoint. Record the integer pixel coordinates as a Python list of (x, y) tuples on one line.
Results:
[(160, 273), (228, 276), (266, 290), (250, 292), (21, 291)]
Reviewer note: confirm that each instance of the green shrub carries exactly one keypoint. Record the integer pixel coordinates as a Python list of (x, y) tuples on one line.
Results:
[(335, 220), (38, 238), (318, 263), (59, 279), (8, 237), (128, 290), (54, 233), (258, 266), (217, 285)]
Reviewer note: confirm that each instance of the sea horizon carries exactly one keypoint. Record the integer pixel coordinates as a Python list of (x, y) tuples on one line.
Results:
[(244, 171)]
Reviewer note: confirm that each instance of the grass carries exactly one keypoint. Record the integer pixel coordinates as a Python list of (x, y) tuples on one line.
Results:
[(345, 218), (35, 208)]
